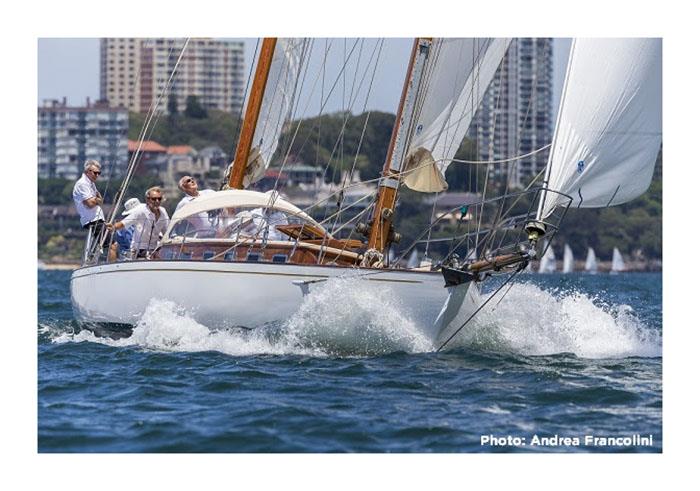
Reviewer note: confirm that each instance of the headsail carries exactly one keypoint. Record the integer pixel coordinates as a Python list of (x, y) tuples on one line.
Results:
[(276, 105), (608, 131), (457, 75)]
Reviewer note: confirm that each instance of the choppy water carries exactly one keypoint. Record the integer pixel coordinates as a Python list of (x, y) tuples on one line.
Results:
[(565, 355)]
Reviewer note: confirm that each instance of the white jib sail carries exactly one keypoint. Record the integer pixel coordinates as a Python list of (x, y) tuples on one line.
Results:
[(456, 76), (276, 106), (568, 266), (608, 131)]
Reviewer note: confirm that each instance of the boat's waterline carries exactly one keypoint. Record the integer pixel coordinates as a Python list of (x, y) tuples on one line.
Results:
[(223, 295)]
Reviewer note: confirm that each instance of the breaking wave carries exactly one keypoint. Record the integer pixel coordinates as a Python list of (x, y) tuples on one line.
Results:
[(354, 317), (533, 321)]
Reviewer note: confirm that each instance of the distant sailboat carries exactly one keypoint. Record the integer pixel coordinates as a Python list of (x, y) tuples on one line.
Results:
[(591, 262), (413, 261), (548, 263), (618, 264), (568, 266)]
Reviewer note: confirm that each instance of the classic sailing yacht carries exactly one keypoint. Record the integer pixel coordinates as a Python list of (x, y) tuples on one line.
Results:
[(245, 258)]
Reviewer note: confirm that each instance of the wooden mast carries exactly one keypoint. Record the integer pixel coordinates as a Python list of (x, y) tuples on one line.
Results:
[(381, 233), (257, 91)]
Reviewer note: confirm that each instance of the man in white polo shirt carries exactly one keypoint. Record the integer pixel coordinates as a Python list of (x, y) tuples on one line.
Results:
[(149, 221), (88, 199), (199, 222)]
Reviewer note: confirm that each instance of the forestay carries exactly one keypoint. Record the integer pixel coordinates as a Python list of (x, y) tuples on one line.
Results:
[(608, 131), (457, 75), (276, 106)]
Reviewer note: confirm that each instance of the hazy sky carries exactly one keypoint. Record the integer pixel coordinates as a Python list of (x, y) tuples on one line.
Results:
[(69, 67)]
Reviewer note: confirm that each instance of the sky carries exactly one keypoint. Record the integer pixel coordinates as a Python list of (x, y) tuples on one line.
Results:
[(69, 67)]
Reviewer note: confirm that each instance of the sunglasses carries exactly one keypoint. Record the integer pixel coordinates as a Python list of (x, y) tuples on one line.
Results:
[(96, 172), (155, 199), (189, 181)]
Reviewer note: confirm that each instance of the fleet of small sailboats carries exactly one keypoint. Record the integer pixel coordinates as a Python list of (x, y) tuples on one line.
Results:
[(548, 261)]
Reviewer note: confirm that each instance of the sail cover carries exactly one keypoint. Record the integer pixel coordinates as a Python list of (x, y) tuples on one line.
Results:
[(276, 106), (609, 126), (456, 76)]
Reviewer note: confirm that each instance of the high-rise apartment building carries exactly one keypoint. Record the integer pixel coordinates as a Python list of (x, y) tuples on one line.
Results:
[(134, 73), (68, 136), (515, 117)]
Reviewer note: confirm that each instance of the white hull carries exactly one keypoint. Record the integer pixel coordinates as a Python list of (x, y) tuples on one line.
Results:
[(221, 295)]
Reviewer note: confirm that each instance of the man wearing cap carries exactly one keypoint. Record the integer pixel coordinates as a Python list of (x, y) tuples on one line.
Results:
[(88, 199), (198, 222), (149, 222)]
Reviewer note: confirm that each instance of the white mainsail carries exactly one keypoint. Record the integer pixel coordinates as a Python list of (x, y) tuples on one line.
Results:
[(456, 77), (568, 266), (618, 263), (608, 131), (276, 106), (591, 261), (548, 263)]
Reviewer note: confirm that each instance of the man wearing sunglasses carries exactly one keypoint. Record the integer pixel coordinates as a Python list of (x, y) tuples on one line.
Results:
[(199, 222), (188, 185), (88, 199), (150, 223)]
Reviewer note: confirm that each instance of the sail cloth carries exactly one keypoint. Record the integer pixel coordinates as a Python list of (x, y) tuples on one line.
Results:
[(276, 106), (456, 76), (618, 263), (568, 263), (608, 131)]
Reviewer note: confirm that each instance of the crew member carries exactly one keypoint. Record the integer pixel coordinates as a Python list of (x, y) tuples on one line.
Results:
[(150, 223), (88, 199)]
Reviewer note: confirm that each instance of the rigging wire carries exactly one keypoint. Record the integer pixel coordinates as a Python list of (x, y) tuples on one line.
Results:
[(155, 107), (507, 280)]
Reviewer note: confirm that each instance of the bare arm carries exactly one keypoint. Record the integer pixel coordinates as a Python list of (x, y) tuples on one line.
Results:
[(94, 201)]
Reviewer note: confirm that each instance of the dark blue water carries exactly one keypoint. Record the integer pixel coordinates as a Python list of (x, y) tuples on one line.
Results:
[(561, 355)]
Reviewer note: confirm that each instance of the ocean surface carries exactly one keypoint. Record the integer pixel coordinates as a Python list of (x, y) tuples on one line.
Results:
[(560, 361)]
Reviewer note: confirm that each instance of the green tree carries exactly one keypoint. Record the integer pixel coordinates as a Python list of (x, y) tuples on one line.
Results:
[(193, 109), (172, 105)]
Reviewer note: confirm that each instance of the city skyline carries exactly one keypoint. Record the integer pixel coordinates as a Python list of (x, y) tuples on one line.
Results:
[(69, 67)]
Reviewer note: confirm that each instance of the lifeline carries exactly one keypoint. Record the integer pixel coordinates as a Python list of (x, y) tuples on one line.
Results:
[(619, 441)]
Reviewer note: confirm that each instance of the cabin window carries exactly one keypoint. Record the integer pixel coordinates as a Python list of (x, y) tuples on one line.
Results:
[(186, 255), (279, 258), (229, 256), (207, 255), (253, 257)]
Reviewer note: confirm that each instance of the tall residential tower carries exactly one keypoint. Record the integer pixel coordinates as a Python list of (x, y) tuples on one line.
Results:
[(133, 73), (515, 117)]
